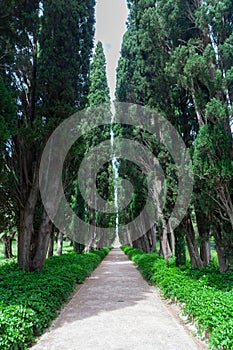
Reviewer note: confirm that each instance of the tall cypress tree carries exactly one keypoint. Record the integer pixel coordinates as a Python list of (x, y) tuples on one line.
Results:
[(177, 58), (138, 81), (142, 78), (98, 96), (98, 90), (8, 207), (51, 46), (203, 64), (66, 40)]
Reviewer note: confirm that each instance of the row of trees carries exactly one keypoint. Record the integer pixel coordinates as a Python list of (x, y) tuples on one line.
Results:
[(98, 108), (177, 58), (45, 55)]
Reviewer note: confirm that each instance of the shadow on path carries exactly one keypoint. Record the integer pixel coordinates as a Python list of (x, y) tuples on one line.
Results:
[(116, 309)]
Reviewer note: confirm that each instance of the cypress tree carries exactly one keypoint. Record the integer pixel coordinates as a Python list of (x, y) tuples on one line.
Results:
[(98, 89), (177, 58), (98, 95), (8, 207), (51, 45)]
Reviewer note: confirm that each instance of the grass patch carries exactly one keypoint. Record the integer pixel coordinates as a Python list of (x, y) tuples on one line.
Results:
[(30, 300), (206, 293)]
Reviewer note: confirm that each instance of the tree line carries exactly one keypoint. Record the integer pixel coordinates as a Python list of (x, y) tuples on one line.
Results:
[(45, 55), (177, 58)]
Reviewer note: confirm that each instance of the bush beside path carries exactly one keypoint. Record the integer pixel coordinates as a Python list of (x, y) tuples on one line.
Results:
[(30, 300), (116, 309), (207, 294)]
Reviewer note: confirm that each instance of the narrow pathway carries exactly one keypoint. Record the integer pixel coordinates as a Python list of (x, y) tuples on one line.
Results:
[(116, 309)]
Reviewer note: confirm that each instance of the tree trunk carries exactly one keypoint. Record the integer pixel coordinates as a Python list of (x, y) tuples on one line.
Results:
[(51, 243), (205, 252), (171, 238), (78, 247), (126, 238), (223, 267), (137, 244), (222, 260), (7, 241), (180, 251), (147, 242), (191, 243), (165, 248), (33, 244), (204, 233), (197, 109), (165, 235), (92, 236), (41, 243), (26, 231), (59, 243), (151, 234)]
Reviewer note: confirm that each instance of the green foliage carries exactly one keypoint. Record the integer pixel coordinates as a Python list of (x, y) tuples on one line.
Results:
[(213, 169), (98, 89), (7, 129), (45, 51), (66, 41), (211, 154), (98, 100), (177, 57), (206, 293), (29, 301), (7, 113)]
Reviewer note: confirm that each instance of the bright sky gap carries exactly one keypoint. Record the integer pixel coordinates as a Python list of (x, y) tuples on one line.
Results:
[(111, 16)]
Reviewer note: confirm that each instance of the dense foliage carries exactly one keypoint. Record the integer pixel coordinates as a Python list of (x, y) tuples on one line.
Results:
[(98, 89), (177, 58), (45, 53), (97, 109), (29, 301), (207, 295)]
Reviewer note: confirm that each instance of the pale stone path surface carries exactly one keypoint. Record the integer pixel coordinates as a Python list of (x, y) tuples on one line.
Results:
[(116, 309)]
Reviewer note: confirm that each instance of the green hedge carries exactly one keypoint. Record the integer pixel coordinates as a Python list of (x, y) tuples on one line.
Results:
[(206, 293), (30, 300)]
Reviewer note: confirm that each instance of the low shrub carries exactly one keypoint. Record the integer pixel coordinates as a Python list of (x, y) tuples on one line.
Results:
[(206, 293), (30, 300)]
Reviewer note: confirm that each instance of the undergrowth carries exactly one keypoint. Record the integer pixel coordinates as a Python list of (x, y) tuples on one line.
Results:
[(206, 293), (30, 300)]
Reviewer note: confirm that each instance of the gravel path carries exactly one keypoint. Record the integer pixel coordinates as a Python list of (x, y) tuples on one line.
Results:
[(116, 309)]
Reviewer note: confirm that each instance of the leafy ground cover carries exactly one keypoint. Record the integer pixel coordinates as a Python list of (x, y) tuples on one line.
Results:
[(66, 249), (207, 295), (29, 301)]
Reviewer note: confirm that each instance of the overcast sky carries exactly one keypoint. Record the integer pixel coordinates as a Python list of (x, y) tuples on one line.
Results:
[(111, 16)]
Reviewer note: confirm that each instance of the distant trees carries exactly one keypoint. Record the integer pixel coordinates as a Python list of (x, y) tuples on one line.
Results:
[(98, 87), (99, 96), (177, 57)]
